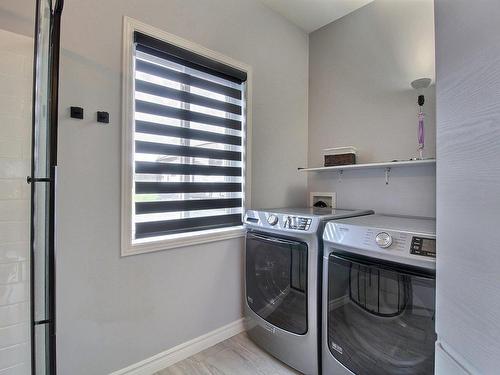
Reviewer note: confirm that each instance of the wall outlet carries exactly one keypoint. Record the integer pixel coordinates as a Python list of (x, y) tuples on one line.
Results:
[(76, 112), (103, 117), (330, 198)]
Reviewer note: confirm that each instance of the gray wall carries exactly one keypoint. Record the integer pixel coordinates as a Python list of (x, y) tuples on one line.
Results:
[(18, 16), (112, 311), (411, 190), (360, 69), (115, 311), (468, 176)]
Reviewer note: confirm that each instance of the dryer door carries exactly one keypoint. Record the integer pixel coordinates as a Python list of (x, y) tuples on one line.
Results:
[(380, 318), (276, 281)]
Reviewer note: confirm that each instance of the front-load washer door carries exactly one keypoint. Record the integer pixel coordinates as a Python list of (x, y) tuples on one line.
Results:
[(276, 281), (380, 319)]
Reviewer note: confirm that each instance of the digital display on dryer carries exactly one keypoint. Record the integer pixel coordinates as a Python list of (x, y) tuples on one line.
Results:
[(423, 246)]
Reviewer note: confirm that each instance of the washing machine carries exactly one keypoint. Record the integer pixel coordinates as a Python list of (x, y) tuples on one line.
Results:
[(379, 291), (283, 281)]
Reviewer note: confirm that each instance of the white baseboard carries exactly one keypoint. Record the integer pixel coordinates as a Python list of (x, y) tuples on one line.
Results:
[(171, 356)]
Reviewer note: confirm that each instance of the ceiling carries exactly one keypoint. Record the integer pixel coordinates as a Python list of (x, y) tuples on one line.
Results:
[(310, 15)]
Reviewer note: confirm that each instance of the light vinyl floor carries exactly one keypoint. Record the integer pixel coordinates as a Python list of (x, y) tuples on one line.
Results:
[(236, 355)]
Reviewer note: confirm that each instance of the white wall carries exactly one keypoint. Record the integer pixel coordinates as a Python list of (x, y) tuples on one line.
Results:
[(16, 57), (115, 311), (360, 69)]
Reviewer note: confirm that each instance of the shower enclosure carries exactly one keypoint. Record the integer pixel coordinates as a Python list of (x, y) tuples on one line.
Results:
[(43, 186)]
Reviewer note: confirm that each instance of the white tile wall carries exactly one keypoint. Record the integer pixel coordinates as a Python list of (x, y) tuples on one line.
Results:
[(12, 357), (13, 314), (13, 273), (20, 369), (13, 189), (16, 55)]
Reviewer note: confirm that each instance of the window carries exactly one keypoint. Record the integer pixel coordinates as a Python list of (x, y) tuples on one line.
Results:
[(184, 147)]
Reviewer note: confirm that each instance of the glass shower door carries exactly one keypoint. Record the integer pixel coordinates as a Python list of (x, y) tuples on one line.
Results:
[(42, 180)]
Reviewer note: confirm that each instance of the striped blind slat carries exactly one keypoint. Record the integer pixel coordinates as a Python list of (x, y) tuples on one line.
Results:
[(186, 79), (187, 133), (156, 109), (186, 205), (185, 169), (194, 152), (186, 97), (186, 187), (159, 228)]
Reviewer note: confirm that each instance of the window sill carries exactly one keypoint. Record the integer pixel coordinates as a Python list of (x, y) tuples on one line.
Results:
[(182, 240)]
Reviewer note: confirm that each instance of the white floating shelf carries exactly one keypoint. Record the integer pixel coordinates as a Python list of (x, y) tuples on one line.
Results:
[(390, 164)]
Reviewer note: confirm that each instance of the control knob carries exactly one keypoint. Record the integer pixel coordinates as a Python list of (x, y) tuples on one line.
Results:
[(272, 219), (383, 240)]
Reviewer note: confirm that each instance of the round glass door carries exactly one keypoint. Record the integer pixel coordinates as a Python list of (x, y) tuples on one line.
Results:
[(276, 281), (380, 320)]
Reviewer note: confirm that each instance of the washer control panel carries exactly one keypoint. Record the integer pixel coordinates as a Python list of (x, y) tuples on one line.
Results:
[(297, 223)]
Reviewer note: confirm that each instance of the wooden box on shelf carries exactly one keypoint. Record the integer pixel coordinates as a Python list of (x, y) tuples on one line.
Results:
[(340, 156)]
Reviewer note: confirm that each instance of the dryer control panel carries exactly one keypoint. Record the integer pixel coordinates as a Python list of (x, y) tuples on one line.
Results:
[(388, 240), (279, 221), (298, 223)]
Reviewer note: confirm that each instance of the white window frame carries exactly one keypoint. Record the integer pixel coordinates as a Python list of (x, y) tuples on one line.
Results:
[(128, 247)]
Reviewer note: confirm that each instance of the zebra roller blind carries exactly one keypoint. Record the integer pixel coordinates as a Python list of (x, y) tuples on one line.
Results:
[(188, 139)]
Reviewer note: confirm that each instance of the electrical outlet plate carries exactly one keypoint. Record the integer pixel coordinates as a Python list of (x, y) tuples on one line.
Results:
[(330, 198), (76, 112), (103, 117)]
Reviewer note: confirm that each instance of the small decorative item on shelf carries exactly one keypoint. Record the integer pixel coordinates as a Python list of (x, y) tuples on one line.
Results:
[(420, 85), (340, 156)]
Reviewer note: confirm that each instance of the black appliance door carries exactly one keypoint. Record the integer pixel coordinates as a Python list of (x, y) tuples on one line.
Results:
[(276, 281), (380, 319)]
